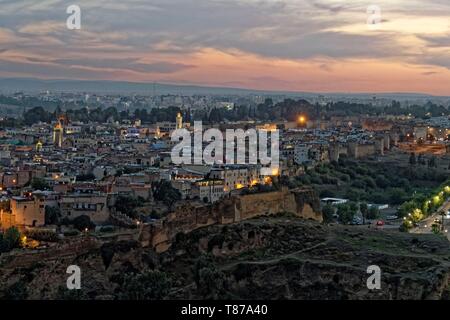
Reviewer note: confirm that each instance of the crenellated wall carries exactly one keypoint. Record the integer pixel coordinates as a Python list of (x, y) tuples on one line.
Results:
[(302, 202)]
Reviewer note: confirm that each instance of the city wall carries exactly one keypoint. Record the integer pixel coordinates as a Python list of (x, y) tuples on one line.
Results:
[(7, 220), (303, 203)]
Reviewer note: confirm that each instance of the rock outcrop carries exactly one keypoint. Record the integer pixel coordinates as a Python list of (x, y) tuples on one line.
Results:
[(273, 257)]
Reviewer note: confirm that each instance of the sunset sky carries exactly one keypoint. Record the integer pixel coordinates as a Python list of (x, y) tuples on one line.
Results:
[(289, 45)]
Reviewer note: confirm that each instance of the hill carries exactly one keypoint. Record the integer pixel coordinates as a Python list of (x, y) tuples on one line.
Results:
[(265, 258)]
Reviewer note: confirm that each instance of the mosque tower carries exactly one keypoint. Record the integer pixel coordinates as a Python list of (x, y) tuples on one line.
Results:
[(179, 121)]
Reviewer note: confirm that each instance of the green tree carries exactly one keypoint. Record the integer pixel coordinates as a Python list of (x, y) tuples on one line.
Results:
[(373, 213), (364, 208), (9, 240), (12, 238), (209, 280), (127, 205), (149, 285), (35, 115), (382, 182), (39, 184), (353, 194), (397, 196), (163, 191), (345, 213), (406, 208), (82, 223), (436, 228), (52, 215), (328, 212), (211, 283)]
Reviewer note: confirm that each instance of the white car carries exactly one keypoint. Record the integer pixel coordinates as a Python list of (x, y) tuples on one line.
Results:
[(391, 217)]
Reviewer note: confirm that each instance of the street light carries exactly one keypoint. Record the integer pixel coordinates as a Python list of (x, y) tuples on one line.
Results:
[(302, 120)]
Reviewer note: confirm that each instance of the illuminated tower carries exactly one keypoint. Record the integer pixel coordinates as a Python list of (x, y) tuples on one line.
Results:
[(58, 131), (179, 121), (39, 146), (37, 157), (57, 135)]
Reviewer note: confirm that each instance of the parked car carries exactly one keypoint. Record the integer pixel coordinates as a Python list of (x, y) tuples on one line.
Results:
[(356, 221)]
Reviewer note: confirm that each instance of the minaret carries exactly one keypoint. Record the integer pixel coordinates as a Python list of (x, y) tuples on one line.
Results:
[(179, 121), (57, 135), (39, 146), (58, 131)]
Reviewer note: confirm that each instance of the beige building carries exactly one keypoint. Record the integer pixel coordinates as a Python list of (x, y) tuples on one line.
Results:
[(93, 205), (30, 211), (208, 189), (236, 176), (137, 190)]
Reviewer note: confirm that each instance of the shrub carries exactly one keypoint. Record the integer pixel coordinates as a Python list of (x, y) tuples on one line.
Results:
[(83, 222), (328, 212), (71, 233), (10, 239), (107, 229), (149, 285), (17, 291), (373, 213)]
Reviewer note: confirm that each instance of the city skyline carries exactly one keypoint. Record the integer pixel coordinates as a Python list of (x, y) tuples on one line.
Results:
[(314, 46)]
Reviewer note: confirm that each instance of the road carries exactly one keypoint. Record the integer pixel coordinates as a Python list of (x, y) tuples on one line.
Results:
[(425, 225)]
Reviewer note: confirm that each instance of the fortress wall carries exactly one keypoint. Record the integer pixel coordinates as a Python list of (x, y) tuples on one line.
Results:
[(302, 202), (259, 204)]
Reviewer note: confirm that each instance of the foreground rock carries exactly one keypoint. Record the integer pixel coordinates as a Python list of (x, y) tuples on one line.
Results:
[(264, 258)]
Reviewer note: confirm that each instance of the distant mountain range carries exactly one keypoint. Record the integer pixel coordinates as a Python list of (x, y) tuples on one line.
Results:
[(34, 85), (104, 86)]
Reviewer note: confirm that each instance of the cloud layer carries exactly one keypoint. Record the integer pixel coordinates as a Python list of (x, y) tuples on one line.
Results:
[(305, 45)]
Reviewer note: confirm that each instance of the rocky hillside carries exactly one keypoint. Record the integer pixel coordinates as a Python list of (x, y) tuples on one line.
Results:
[(264, 258)]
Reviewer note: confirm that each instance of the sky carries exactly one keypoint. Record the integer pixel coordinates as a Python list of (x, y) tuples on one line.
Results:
[(288, 45)]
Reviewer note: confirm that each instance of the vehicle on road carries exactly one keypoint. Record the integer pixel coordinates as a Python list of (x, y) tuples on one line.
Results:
[(392, 217), (380, 223)]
